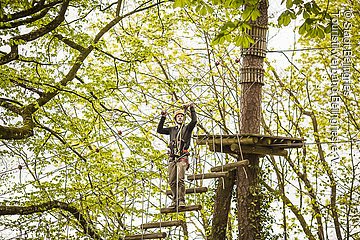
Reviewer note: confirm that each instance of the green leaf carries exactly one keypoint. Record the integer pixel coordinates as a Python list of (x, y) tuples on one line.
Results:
[(302, 29), (255, 14), (306, 14), (284, 19), (243, 40), (203, 11), (247, 13), (219, 39), (289, 3), (209, 9), (328, 28), (179, 3), (227, 25), (292, 14)]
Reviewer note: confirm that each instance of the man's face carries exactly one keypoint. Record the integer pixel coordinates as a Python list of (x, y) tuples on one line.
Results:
[(179, 118)]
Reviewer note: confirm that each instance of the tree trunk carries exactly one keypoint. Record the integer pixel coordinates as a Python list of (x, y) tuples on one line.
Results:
[(252, 75), (222, 207)]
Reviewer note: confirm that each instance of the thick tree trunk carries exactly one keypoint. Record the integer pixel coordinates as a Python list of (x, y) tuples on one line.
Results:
[(252, 75), (222, 207), (248, 200)]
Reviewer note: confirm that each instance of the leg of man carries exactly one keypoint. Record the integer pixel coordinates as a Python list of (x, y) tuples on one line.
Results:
[(181, 168), (172, 182)]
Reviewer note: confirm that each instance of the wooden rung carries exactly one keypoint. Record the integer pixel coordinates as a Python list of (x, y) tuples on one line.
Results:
[(162, 224), (207, 176), (181, 209), (146, 236), (191, 190), (265, 141), (229, 166)]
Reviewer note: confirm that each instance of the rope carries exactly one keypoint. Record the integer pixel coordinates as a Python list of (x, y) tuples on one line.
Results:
[(160, 199), (142, 207)]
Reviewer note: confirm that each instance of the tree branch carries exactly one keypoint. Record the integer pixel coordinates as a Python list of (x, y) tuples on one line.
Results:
[(25, 21), (20, 210), (14, 42), (27, 111), (293, 208), (23, 85), (70, 43), (40, 6)]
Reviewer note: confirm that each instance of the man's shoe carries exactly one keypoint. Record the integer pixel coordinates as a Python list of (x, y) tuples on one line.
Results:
[(182, 204)]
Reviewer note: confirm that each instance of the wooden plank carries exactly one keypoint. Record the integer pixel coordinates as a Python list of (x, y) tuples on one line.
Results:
[(191, 190), (146, 236), (207, 176), (181, 209), (259, 150), (162, 224), (229, 166)]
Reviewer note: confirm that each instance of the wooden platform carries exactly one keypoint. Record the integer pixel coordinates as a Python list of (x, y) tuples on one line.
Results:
[(146, 236), (181, 209), (191, 190), (207, 176), (250, 143), (162, 224)]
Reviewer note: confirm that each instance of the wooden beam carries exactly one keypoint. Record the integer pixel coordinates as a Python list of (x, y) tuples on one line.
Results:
[(146, 236), (228, 141), (191, 190), (288, 145), (259, 150), (229, 166), (207, 176), (204, 138), (162, 224), (181, 209)]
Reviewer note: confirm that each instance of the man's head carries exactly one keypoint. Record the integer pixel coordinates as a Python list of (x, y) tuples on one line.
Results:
[(179, 117)]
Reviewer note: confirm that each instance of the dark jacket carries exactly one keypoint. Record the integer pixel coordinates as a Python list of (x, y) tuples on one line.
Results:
[(179, 141)]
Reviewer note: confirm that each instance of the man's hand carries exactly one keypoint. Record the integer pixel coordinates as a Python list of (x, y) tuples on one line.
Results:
[(191, 104), (163, 113)]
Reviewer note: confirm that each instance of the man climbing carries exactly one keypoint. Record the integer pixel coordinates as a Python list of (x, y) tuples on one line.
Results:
[(180, 136)]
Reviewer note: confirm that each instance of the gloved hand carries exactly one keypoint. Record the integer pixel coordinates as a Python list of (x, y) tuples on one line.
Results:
[(188, 105)]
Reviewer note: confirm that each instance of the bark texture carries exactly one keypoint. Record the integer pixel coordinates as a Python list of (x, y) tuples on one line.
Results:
[(248, 199), (222, 206)]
